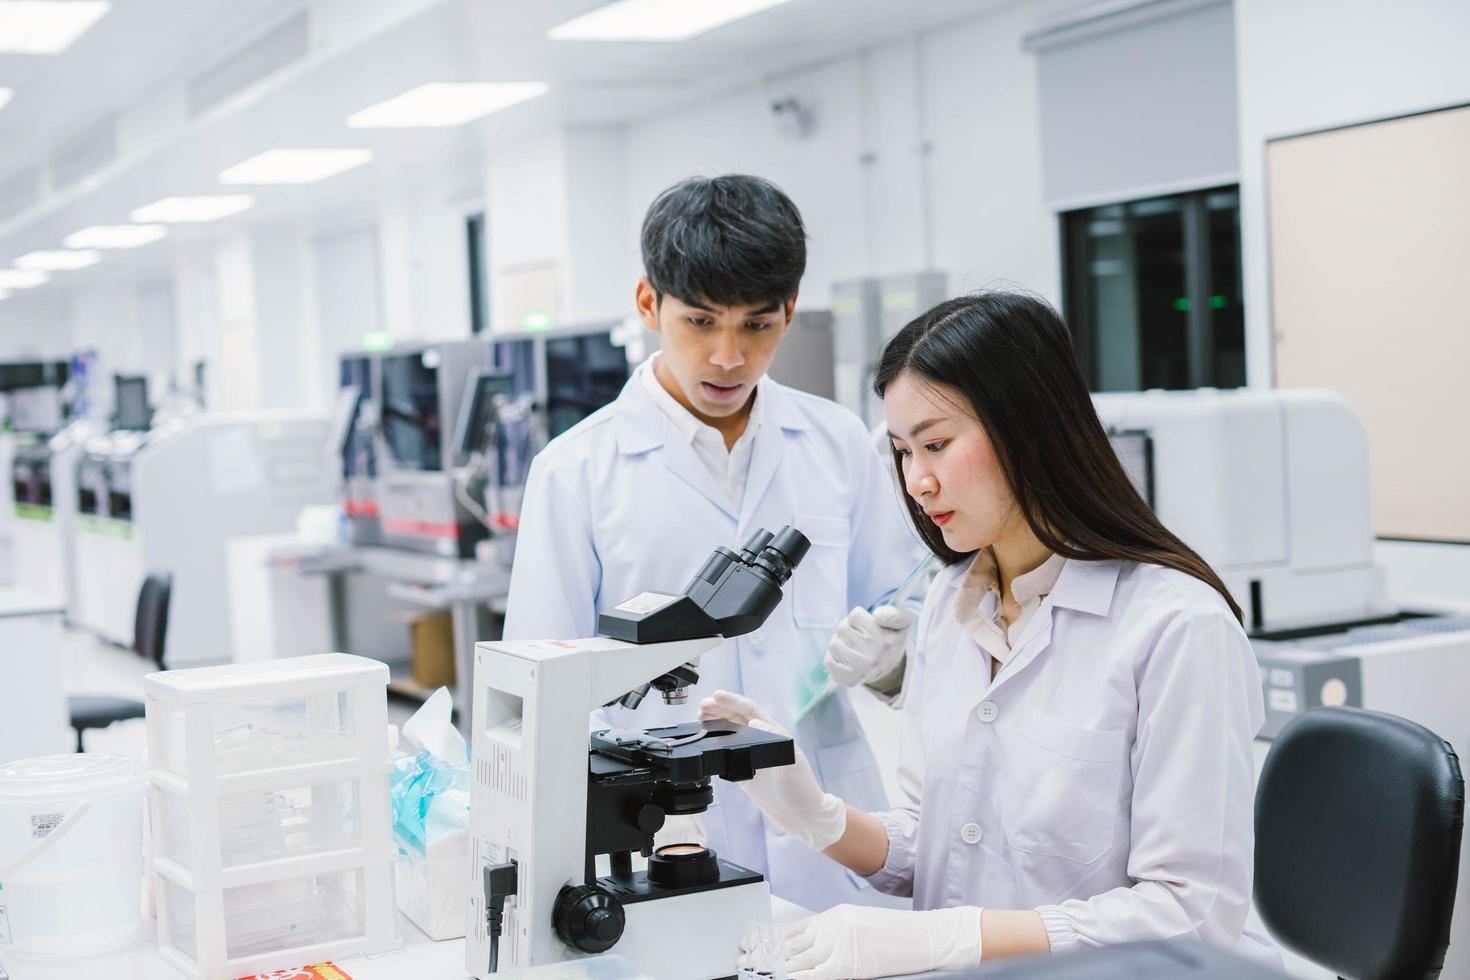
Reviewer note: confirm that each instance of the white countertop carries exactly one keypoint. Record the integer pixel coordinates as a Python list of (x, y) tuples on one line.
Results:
[(419, 958), (19, 602)]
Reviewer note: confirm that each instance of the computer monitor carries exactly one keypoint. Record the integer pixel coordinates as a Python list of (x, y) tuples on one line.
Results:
[(130, 398), (477, 407), (1135, 449), (344, 421)]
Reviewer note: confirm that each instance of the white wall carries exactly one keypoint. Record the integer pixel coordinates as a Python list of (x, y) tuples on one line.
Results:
[(925, 150), (423, 266), (35, 325), (1304, 65)]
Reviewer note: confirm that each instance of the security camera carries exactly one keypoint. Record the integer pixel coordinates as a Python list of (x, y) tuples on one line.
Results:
[(793, 119)]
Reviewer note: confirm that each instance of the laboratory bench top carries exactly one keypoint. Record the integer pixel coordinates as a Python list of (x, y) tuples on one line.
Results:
[(418, 958)]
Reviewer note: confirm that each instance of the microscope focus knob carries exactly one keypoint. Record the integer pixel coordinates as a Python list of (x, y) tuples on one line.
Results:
[(586, 917)]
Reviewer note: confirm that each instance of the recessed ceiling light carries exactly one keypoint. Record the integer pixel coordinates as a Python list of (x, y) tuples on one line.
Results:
[(656, 20), (6, 95), (57, 261), (173, 210), (21, 278), (115, 236), (294, 166), (444, 104), (46, 26)]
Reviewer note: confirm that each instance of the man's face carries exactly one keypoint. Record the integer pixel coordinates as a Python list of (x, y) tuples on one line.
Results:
[(714, 354)]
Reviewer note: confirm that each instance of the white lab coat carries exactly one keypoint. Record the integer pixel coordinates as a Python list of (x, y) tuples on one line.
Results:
[(1103, 777), (620, 504)]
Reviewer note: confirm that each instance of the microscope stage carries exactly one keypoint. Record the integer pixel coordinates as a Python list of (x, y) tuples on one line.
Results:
[(694, 752)]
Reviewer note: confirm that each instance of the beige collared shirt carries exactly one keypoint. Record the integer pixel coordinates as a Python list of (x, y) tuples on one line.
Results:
[(978, 607), (729, 466)]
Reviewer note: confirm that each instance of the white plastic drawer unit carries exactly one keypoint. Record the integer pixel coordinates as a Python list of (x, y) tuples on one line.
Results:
[(271, 829)]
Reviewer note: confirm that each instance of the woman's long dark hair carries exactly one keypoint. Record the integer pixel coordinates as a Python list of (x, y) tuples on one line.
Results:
[(1011, 356)]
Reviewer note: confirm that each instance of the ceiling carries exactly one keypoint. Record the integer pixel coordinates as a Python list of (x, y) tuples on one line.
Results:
[(134, 65)]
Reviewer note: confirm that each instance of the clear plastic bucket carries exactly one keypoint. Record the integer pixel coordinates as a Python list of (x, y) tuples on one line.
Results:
[(71, 854)]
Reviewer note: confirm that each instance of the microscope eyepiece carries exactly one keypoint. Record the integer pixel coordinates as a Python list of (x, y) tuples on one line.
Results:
[(783, 552), (753, 547)]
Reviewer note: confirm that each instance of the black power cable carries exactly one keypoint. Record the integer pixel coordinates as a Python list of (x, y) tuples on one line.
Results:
[(500, 883)]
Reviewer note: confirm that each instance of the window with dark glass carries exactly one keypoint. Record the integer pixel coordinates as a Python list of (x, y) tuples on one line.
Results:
[(474, 227), (1152, 291)]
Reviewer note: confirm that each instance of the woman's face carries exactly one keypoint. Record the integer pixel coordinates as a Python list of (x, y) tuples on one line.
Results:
[(949, 466)]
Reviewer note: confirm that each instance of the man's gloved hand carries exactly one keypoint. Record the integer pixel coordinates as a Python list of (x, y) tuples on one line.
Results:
[(867, 646), (853, 942), (789, 795)]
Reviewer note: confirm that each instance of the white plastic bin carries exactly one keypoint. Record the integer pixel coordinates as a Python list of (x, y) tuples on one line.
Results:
[(71, 854)]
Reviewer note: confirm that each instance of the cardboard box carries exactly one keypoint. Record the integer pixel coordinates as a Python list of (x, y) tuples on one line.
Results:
[(431, 650)]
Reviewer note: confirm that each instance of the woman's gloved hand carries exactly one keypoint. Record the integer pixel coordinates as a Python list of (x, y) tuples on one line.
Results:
[(789, 795), (853, 942), (867, 646)]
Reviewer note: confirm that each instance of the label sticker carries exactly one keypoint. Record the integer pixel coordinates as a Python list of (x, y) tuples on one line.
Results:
[(319, 971), (552, 645), (645, 602), (43, 823), (1279, 700)]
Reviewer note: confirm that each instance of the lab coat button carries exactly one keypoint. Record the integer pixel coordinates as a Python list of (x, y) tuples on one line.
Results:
[(970, 833), (987, 712)]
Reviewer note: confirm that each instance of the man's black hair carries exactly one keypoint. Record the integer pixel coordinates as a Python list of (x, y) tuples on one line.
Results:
[(734, 240)]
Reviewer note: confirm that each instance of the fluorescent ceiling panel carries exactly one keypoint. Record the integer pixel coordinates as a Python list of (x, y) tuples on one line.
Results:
[(294, 166), (46, 26), (115, 236), (57, 261), (444, 104), (21, 278), (656, 20), (6, 95), (175, 210)]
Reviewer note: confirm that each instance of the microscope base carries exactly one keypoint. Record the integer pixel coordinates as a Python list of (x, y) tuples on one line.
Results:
[(695, 935)]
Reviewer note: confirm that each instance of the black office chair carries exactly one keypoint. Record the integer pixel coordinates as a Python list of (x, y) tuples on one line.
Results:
[(1358, 822), (150, 627)]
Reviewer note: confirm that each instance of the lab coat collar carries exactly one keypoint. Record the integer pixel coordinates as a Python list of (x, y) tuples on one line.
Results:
[(1086, 586), (643, 427), (640, 424)]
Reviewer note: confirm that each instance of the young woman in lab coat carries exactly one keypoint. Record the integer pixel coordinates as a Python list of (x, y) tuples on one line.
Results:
[(1076, 765)]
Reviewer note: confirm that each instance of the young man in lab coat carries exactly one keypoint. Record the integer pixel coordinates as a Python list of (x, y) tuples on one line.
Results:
[(700, 449)]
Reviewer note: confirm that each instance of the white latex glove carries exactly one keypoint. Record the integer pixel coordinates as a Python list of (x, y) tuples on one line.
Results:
[(854, 942), (789, 795), (867, 646)]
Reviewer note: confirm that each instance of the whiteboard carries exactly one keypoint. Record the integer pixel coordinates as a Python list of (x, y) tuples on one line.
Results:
[(1370, 297)]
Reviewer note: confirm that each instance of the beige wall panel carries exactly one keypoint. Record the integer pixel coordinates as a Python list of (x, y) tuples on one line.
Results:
[(1370, 286)]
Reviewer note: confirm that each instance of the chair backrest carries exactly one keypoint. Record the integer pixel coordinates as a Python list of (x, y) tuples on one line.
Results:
[(150, 624), (1358, 822)]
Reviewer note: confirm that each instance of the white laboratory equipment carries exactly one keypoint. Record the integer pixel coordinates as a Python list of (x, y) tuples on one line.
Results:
[(1269, 486), (173, 499), (268, 790)]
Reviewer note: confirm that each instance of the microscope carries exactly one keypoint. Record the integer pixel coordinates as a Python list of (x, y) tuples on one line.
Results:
[(547, 800)]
